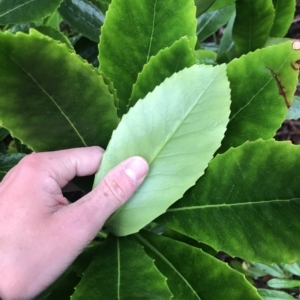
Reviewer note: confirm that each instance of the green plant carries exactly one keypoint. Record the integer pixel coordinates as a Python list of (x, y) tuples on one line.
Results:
[(212, 125)]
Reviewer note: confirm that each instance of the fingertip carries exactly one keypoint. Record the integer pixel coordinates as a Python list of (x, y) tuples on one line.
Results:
[(136, 168)]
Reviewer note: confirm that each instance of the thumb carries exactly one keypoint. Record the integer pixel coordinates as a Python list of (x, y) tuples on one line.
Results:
[(86, 216)]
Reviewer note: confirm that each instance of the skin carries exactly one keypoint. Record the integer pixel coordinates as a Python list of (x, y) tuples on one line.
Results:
[(41, 234)]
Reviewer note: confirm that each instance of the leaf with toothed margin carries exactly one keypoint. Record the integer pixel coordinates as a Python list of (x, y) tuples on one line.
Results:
[(186, 266), (255, 206), (50, 98), (176, 128), (167, 62), (146, 27), (122, 270), (18, 11), (262, 88)]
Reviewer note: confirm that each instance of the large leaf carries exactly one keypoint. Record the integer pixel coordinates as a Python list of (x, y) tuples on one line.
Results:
[(167, 62), (84, 16), (284, 14), (254, 207), (262, 88), (122, 270), (50, 98), (3, 133), (176, 128), (253, 23), (193, 274), (135, 30), (17, 11), (211, 21), (8, 161)]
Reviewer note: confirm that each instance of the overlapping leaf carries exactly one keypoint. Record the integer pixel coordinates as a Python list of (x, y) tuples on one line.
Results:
[(176, 128), (262, 87), (247, 202), (253, 23), (134, 31), (186, 268), (8, 161), (167, 62), (211, 21), (54, 103), (203, 6), (284, 14), (122, 270), (84, 16), (294, 111), (17, 11), (218, 4)]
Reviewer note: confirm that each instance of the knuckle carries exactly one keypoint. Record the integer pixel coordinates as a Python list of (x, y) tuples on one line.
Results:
[(112, 189)]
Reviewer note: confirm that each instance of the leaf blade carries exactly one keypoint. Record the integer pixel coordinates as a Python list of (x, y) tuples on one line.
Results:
[(172, 150)]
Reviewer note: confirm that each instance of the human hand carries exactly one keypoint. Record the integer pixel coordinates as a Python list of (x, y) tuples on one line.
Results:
[(40, 232)]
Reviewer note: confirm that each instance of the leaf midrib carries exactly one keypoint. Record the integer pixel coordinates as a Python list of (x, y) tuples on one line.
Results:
[(168, 138), (16, 8), (232, 204), (52, 100), (167, 262)]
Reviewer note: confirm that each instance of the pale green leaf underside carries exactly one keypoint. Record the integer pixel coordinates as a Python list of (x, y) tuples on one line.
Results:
[(50, 98), (176, 128), (16, 11), (122, 270), (193, 274), (247, 202), (135, 30)]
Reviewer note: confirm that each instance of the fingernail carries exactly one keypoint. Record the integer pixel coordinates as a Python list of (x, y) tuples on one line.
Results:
[(136, 169)]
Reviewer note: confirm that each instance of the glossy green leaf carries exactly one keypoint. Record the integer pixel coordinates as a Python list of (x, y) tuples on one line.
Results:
[(293, 268), (274, 295), (44, 112), (167, 62), (3, 133), (203, 6), (122, 270), (284, 15), (276, 283), (8, 161), (145, 27), (17, 11), (178, 140), (253, 23), (84, 16), (294, 111), (54, 34), (253, 208), (220, 4), (211, 21), (262, 87), (194, 274)]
